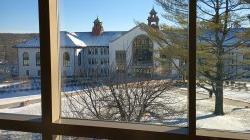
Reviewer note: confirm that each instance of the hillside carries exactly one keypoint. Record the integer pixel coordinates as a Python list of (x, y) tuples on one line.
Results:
[(7, 41)]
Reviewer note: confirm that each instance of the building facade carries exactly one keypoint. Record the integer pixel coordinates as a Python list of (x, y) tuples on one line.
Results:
[(96, 53)]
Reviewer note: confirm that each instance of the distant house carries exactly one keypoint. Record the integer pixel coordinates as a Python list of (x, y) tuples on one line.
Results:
[(236, 59)]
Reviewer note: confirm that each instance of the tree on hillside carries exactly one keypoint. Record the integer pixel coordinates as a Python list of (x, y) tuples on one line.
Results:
[(220, 32)]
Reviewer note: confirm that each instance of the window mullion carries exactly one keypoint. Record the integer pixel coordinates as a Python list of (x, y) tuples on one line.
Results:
[(192, 68), (50, 93)]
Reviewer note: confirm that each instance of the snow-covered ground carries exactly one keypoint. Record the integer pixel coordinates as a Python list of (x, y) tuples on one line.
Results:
[(6, 84), (17, 135), (19, 97), (236, 118), (231, 93)]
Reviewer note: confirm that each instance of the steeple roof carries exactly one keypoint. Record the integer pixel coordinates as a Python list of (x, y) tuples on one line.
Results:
[(153, 12), (97, 20), (97, 28), (153, 19)]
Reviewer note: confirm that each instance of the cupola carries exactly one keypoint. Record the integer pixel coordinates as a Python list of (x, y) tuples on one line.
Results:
[(97, 28), (153, 19)]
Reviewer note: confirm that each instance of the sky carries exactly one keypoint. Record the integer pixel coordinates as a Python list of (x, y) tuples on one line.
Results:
[(21, 16)]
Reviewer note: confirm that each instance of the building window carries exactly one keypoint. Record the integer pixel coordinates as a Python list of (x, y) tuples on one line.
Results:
[(66, 59), (25, 59), (106, 72), (27, 73), (38, 73), (82, 52), (105, 61), (89, 60), (101, 51), (106, 51), (102, 62), (92, 51), (89, 51), (96, 51), (101, 71), (120, 57), (89, 71), (38, 59), (79, 59), (142, 50), (96, 61)]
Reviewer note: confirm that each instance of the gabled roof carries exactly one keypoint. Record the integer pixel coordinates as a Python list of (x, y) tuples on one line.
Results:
[(102, 40), (231, 37), (77, 39), (32, 43), (138, 26)]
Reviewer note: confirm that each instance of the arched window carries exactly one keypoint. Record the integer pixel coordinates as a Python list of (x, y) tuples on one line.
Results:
[(79, 59), (25, 59), (66, 59), (142, 50), (38, 59)]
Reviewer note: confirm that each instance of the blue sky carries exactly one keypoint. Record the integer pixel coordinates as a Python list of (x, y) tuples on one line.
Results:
[(18, 16), (21, 16)]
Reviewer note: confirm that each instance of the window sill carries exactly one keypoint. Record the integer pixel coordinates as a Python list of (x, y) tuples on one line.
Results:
[(117, 130), (18, 122), (222, 134)]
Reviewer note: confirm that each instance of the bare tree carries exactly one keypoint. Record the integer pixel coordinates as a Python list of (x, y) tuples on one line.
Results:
[(120, 97)]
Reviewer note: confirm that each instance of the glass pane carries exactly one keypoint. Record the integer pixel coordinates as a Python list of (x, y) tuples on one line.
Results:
[(129, 71), (19, 57), (17, 135), (223, 95)]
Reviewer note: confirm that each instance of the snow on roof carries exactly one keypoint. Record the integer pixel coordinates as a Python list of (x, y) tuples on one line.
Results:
[(102, 40), (34, 42), (77, 39), (69, 40), (230, 39)]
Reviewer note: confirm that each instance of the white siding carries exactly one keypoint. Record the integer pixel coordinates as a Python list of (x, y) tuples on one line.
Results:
[(32, 68), (67, 70)]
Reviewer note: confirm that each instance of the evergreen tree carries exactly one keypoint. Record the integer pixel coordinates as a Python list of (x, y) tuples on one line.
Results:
[(220, 32)]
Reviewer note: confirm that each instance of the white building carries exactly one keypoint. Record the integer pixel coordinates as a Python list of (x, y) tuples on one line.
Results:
[(100, 52), (236, 52), (97, 52)]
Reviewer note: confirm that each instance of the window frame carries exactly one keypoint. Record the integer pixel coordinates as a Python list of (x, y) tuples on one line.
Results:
[(27, 73), (120, 57), (38, 59), (142, 44), (79, 57), (50, 125), (26, 58), (66, 59)]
